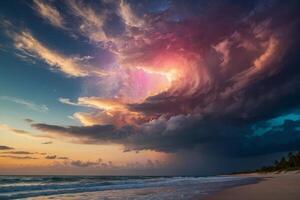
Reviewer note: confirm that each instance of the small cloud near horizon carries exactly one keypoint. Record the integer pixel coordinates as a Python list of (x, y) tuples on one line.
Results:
[(47, 142), (28, 104), (51, 157), (3, 147), (18, 157)]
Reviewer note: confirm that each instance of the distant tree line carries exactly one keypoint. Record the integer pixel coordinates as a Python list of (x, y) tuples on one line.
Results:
[(288, 163)]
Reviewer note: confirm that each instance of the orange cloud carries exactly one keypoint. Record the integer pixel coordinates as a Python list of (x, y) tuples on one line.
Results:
[(270, 52), (102, 103), (91, 22), (108, 111), (25, 42), (30, 46), (49, 13), (128, 15)]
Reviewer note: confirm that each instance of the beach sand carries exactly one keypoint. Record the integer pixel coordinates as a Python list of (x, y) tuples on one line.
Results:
[(283, 186)]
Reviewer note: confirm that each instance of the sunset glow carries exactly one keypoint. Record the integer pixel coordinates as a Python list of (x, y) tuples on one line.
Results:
[(147, 87)]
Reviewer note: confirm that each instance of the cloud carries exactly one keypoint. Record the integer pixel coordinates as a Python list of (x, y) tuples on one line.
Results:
[(105, 131), (2, 147), (67, 101), (109, 111), (206, 136), (106, 23), (28, 104), (18, 157), (224, 49), (91, 22), (21, 132), (222, 77), (48, 142), (28, 120), (17, 152), (168, 73), (83, 58), (102, 103), (51, 157), (128, 15), (93, 118), (96, 102), (183, 82), (62, 158), (109, 165), (281, 138), (28, 44), (49, 13), (79, 163), (30, 49)]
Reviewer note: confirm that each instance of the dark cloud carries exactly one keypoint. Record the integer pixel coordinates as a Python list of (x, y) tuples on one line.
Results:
[(48, 142), (18, 157), (211, 136), (2, 147), (79, 163), (28, 120), (106, 133), (51, 157), (18, 152), (245, 82), (239, 67), (285, 137), (62, 158)]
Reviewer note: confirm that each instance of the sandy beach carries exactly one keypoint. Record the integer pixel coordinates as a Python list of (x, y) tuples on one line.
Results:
[(283, 186)]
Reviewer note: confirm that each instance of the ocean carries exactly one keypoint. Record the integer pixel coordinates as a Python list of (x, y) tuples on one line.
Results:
[(114, 187)]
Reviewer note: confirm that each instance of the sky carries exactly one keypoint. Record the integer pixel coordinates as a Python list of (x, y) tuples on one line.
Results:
[(150, 87)]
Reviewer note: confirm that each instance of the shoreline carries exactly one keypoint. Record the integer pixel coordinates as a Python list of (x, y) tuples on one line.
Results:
[(271, 186)]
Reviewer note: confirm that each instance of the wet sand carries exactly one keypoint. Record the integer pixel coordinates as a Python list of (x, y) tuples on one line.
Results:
[(283, 186)]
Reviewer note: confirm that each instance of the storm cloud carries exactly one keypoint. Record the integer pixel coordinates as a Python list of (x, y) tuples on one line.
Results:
[(207, 136), (197, 76)]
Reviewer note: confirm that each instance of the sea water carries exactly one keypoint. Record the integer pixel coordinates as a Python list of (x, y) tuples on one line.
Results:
[(114, 187)]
